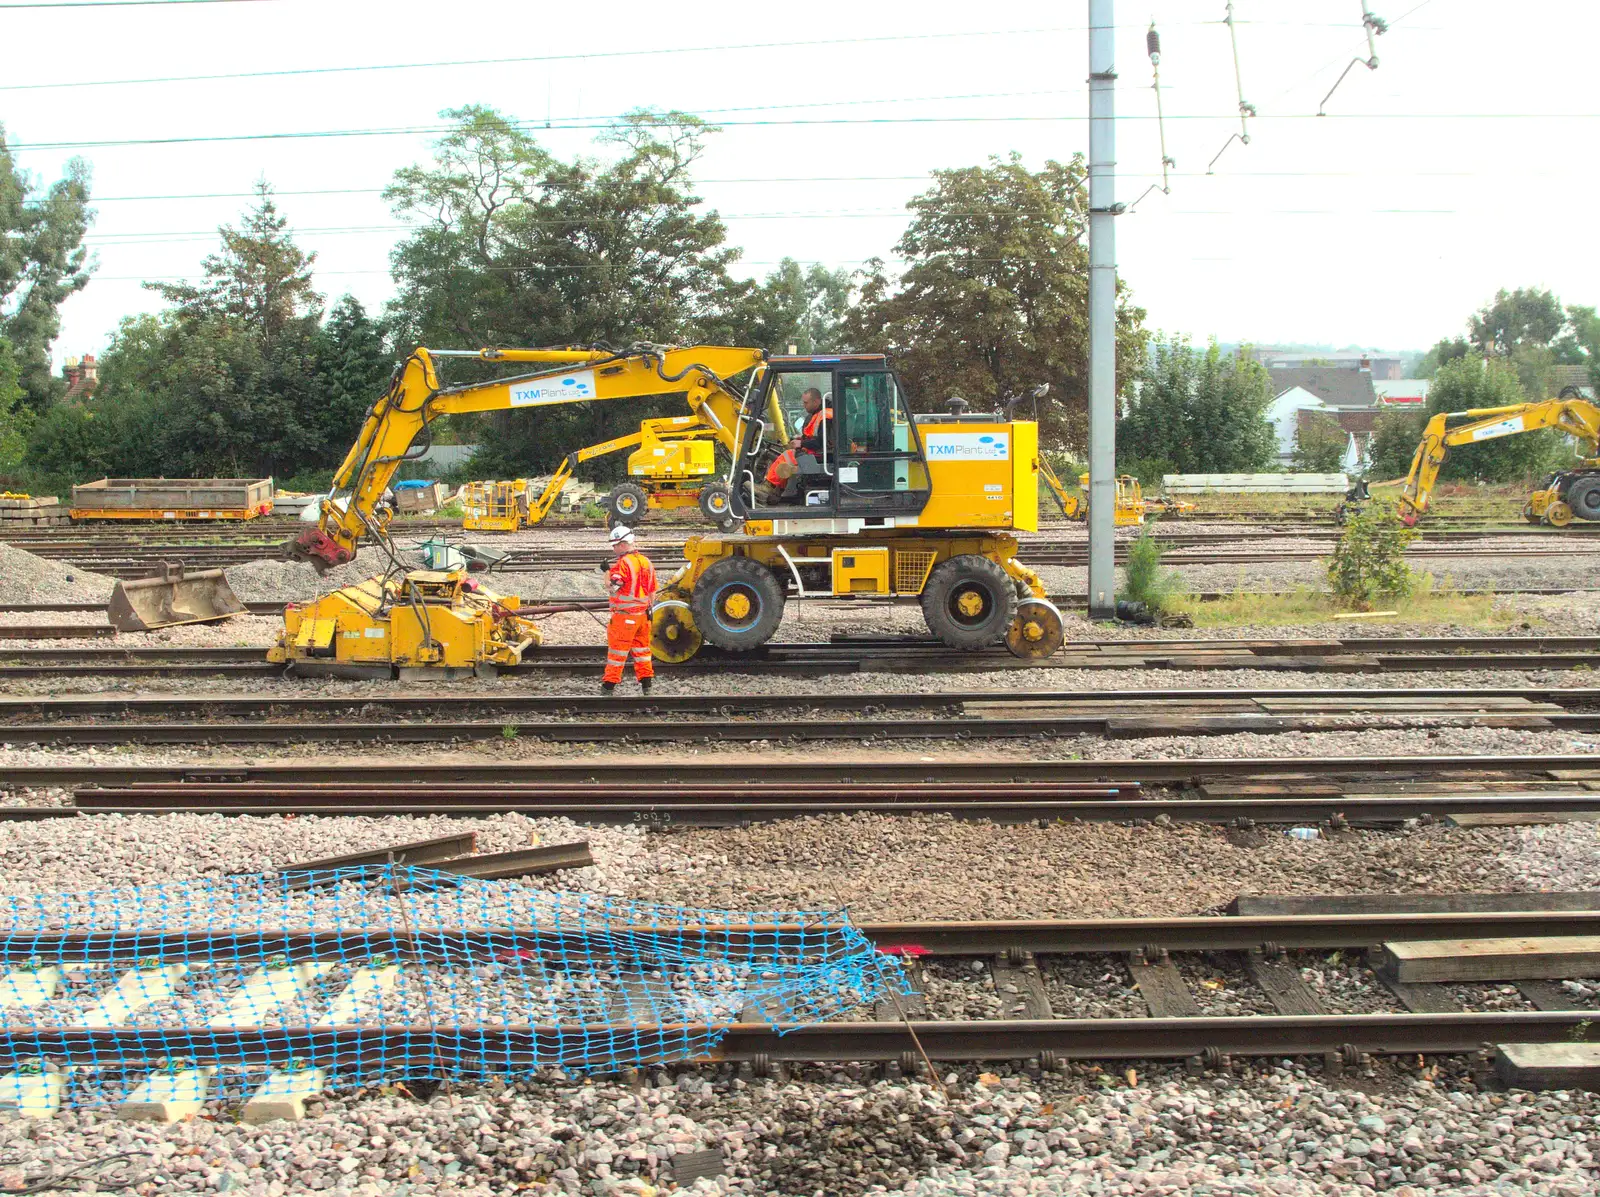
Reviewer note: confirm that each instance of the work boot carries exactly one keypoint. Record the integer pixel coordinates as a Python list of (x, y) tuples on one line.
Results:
[(644, 685), (608, 688)]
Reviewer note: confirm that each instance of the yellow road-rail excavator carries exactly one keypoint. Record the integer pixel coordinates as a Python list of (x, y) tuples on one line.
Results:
[(880, 504), (1563, 497)]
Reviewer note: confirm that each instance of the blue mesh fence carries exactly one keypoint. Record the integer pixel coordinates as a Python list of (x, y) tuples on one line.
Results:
[(206, 988)]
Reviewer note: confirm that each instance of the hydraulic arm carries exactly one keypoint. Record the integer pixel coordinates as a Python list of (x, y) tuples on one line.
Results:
[(1576, 417), (416, 397)]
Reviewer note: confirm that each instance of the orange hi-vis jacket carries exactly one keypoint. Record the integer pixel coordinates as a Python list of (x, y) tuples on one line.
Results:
[(813, 426), (784, 458), (633, 584)]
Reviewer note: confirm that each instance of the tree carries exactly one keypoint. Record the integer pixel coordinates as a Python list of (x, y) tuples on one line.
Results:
[(13, 421), (238, 377), (260, 282), (1526, 316), (1197, 412), (1443, 351), (517, 247), (1320, 445), (994, 296), (794, 307), (1394, 442), (1475, 382), (42, 263)]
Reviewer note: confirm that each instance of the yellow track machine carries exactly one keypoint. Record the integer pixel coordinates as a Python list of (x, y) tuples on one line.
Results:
[(1565, 496), (442, 623), (889, 506)]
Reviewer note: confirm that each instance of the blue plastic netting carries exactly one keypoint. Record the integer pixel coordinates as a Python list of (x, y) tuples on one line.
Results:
[(389, 972)]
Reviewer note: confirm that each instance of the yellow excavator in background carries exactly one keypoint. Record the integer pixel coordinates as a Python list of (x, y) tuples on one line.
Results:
[(1564, 496), (1130, 497), (880, 504)]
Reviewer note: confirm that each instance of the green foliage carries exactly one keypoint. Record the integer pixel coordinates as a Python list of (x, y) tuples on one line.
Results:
[(1320, 445), (517, 247), (43, 262), (1145, 580), (14, 419), (1198, 412), (1394, 442), (797, 307), (239, 378), (1472, 382), (994, 296), (1368, 563), (1442, 352), (1526, 316)]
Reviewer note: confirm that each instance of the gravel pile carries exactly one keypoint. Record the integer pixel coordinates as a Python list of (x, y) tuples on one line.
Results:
[(25, 578), (1556, 856), (1278, 1132), (912, 867), (270, 581)]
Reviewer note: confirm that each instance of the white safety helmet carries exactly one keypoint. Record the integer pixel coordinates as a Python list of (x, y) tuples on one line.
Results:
[(621, 533)]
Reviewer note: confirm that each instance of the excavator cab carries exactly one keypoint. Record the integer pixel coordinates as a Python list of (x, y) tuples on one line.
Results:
[(869, 464)]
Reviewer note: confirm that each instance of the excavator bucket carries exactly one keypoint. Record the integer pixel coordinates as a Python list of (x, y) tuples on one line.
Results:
[(172, 597)]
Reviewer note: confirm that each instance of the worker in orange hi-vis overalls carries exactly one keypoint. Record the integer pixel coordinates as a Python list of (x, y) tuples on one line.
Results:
[(633, 589)]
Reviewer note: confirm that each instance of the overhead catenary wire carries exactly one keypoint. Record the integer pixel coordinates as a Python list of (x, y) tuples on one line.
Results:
[(1246, 109), (1373, 26), (1152, 42)]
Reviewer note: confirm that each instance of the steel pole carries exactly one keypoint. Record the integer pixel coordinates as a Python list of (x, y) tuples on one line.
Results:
[(1102, 311)]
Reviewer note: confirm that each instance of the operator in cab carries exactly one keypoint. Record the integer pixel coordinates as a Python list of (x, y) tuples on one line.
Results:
[(632, 581), (783, 474)]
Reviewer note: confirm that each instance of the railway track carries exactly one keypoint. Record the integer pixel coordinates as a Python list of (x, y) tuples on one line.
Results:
[(129, 556), (1014, 961), (1334, 793), (732, 717), (1374, 655)]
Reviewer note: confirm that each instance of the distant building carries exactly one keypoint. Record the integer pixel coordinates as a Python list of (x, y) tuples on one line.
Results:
[(1347, 397), (1378, 367), (82, 375), (1561, 377), (1402, 391)]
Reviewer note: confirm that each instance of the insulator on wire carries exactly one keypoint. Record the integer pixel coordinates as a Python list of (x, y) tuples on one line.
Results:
[(1152, 44)]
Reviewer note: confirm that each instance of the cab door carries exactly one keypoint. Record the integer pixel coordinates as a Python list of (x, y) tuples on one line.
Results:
[(879, 467)]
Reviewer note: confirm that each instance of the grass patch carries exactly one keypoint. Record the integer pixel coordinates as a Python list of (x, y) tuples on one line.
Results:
[(1426, 606)]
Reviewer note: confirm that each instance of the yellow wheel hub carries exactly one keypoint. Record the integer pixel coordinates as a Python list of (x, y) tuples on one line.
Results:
[(736, 606), (1558, 514), (1031, 631), (970, 604)]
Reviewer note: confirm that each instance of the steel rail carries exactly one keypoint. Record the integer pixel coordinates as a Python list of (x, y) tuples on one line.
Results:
[(1083, 1039), (640, 771), (321, 705), (1152, 723), (911, 939), (704, 811)]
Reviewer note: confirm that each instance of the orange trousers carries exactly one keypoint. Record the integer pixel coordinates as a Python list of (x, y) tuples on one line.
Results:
[(628, 635)]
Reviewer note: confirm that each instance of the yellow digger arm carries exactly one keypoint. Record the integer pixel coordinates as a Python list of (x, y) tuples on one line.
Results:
[(416, 397), (1070, 504), (665, 428), (1576, 417)]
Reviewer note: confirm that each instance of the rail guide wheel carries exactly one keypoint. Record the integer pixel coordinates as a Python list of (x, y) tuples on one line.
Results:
[(1036, 631), (1558, 514), (673, 636)]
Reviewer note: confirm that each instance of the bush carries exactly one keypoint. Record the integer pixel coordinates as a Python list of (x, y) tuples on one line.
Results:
[(1145, 580), (1368, 563)]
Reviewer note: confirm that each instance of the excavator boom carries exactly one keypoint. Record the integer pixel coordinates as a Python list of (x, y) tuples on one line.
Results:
[(416, 397), (1576, 417)]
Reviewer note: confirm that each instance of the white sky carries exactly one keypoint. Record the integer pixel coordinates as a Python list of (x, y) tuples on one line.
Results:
[(1384, 224)]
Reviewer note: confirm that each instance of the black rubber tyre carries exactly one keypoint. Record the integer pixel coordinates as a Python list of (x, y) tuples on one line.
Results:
[(737, 604), (628, 503), (969, 602), (1583, 496), (716, 503)]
